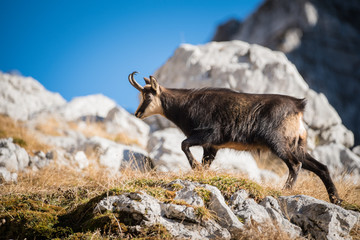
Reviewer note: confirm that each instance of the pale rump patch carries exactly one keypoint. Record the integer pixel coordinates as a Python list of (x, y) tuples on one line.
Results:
[(302, 130)]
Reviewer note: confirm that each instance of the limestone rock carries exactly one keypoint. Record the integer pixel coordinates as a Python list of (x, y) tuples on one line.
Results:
[(216, 203), (179, 220), (40, 160), (340, 160), (267, 212), (356, 150), (113, 155), (188, 193), (164, 149), (118, 120), (6, 176), (22, 97), (273, 208), (247, 209), (91, 105), (13, 157), (71, 140), (81, 160), (318, 218)]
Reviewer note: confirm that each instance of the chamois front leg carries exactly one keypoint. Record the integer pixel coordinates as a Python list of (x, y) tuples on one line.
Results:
[(194, 140)]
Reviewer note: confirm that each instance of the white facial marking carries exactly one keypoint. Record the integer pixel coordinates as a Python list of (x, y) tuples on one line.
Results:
[(153, 108)]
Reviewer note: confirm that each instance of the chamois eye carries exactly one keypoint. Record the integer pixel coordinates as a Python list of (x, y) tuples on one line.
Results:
[(148, 96)]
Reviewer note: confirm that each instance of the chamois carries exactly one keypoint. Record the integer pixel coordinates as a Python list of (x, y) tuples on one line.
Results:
[(216, 118)]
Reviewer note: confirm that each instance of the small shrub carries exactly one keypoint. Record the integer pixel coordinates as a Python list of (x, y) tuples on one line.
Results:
[(204, 194), (19, 141), (203, 213)]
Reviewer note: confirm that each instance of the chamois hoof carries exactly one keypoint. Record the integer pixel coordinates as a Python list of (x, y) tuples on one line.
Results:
[(196, 166), (336, 200)]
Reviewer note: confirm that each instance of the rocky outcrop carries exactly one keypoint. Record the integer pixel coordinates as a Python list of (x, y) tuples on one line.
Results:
[(322, 38), (22, 97), (254, 69), (118, 120), (93, 106), (297, 216), (317, 218), (14, 159), (115, 156), (179, 220)]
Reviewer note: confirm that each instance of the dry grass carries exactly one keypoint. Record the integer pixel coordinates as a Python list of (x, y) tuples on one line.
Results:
[(50, 126), (52, 178), (69, 188), (99, 129), (54, 184), (20, 135)]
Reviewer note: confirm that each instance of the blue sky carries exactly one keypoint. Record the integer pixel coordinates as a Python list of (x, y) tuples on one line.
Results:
[(78, 47)]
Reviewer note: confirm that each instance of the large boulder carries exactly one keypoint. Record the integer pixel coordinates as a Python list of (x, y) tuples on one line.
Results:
[(298, 216), (13, 157), (96, 105), (267, 212), (336, 156), (22, 97), (322, 38), (319, 219), (179, 220), (119, 121), (115, 156)]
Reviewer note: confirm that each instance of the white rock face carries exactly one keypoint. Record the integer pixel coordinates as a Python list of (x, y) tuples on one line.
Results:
[(118, 120), (299, 216), (91, 105), (22, 97), (81, 160), (320, 219), (164, 149), (114, 156), (12, 157), (6, 176), (339, 159), (267, 212), (179, 220)]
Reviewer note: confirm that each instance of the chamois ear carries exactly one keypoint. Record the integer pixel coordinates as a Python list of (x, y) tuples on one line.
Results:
[(147, 81), (154, 84)]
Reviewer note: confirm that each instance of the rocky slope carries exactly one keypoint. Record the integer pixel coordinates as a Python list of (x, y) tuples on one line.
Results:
[(86, 136), (322, 38), (203, 208)]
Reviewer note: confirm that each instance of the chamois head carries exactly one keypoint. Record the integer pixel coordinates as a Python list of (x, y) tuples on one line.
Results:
[(150, 103)]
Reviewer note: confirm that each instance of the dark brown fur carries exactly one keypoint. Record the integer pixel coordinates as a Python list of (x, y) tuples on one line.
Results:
[(222, 118)]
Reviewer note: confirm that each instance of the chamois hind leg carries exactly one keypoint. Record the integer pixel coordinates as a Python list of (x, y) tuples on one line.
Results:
[(208, 156), (294, 167), (311, 164), (283, 151)]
